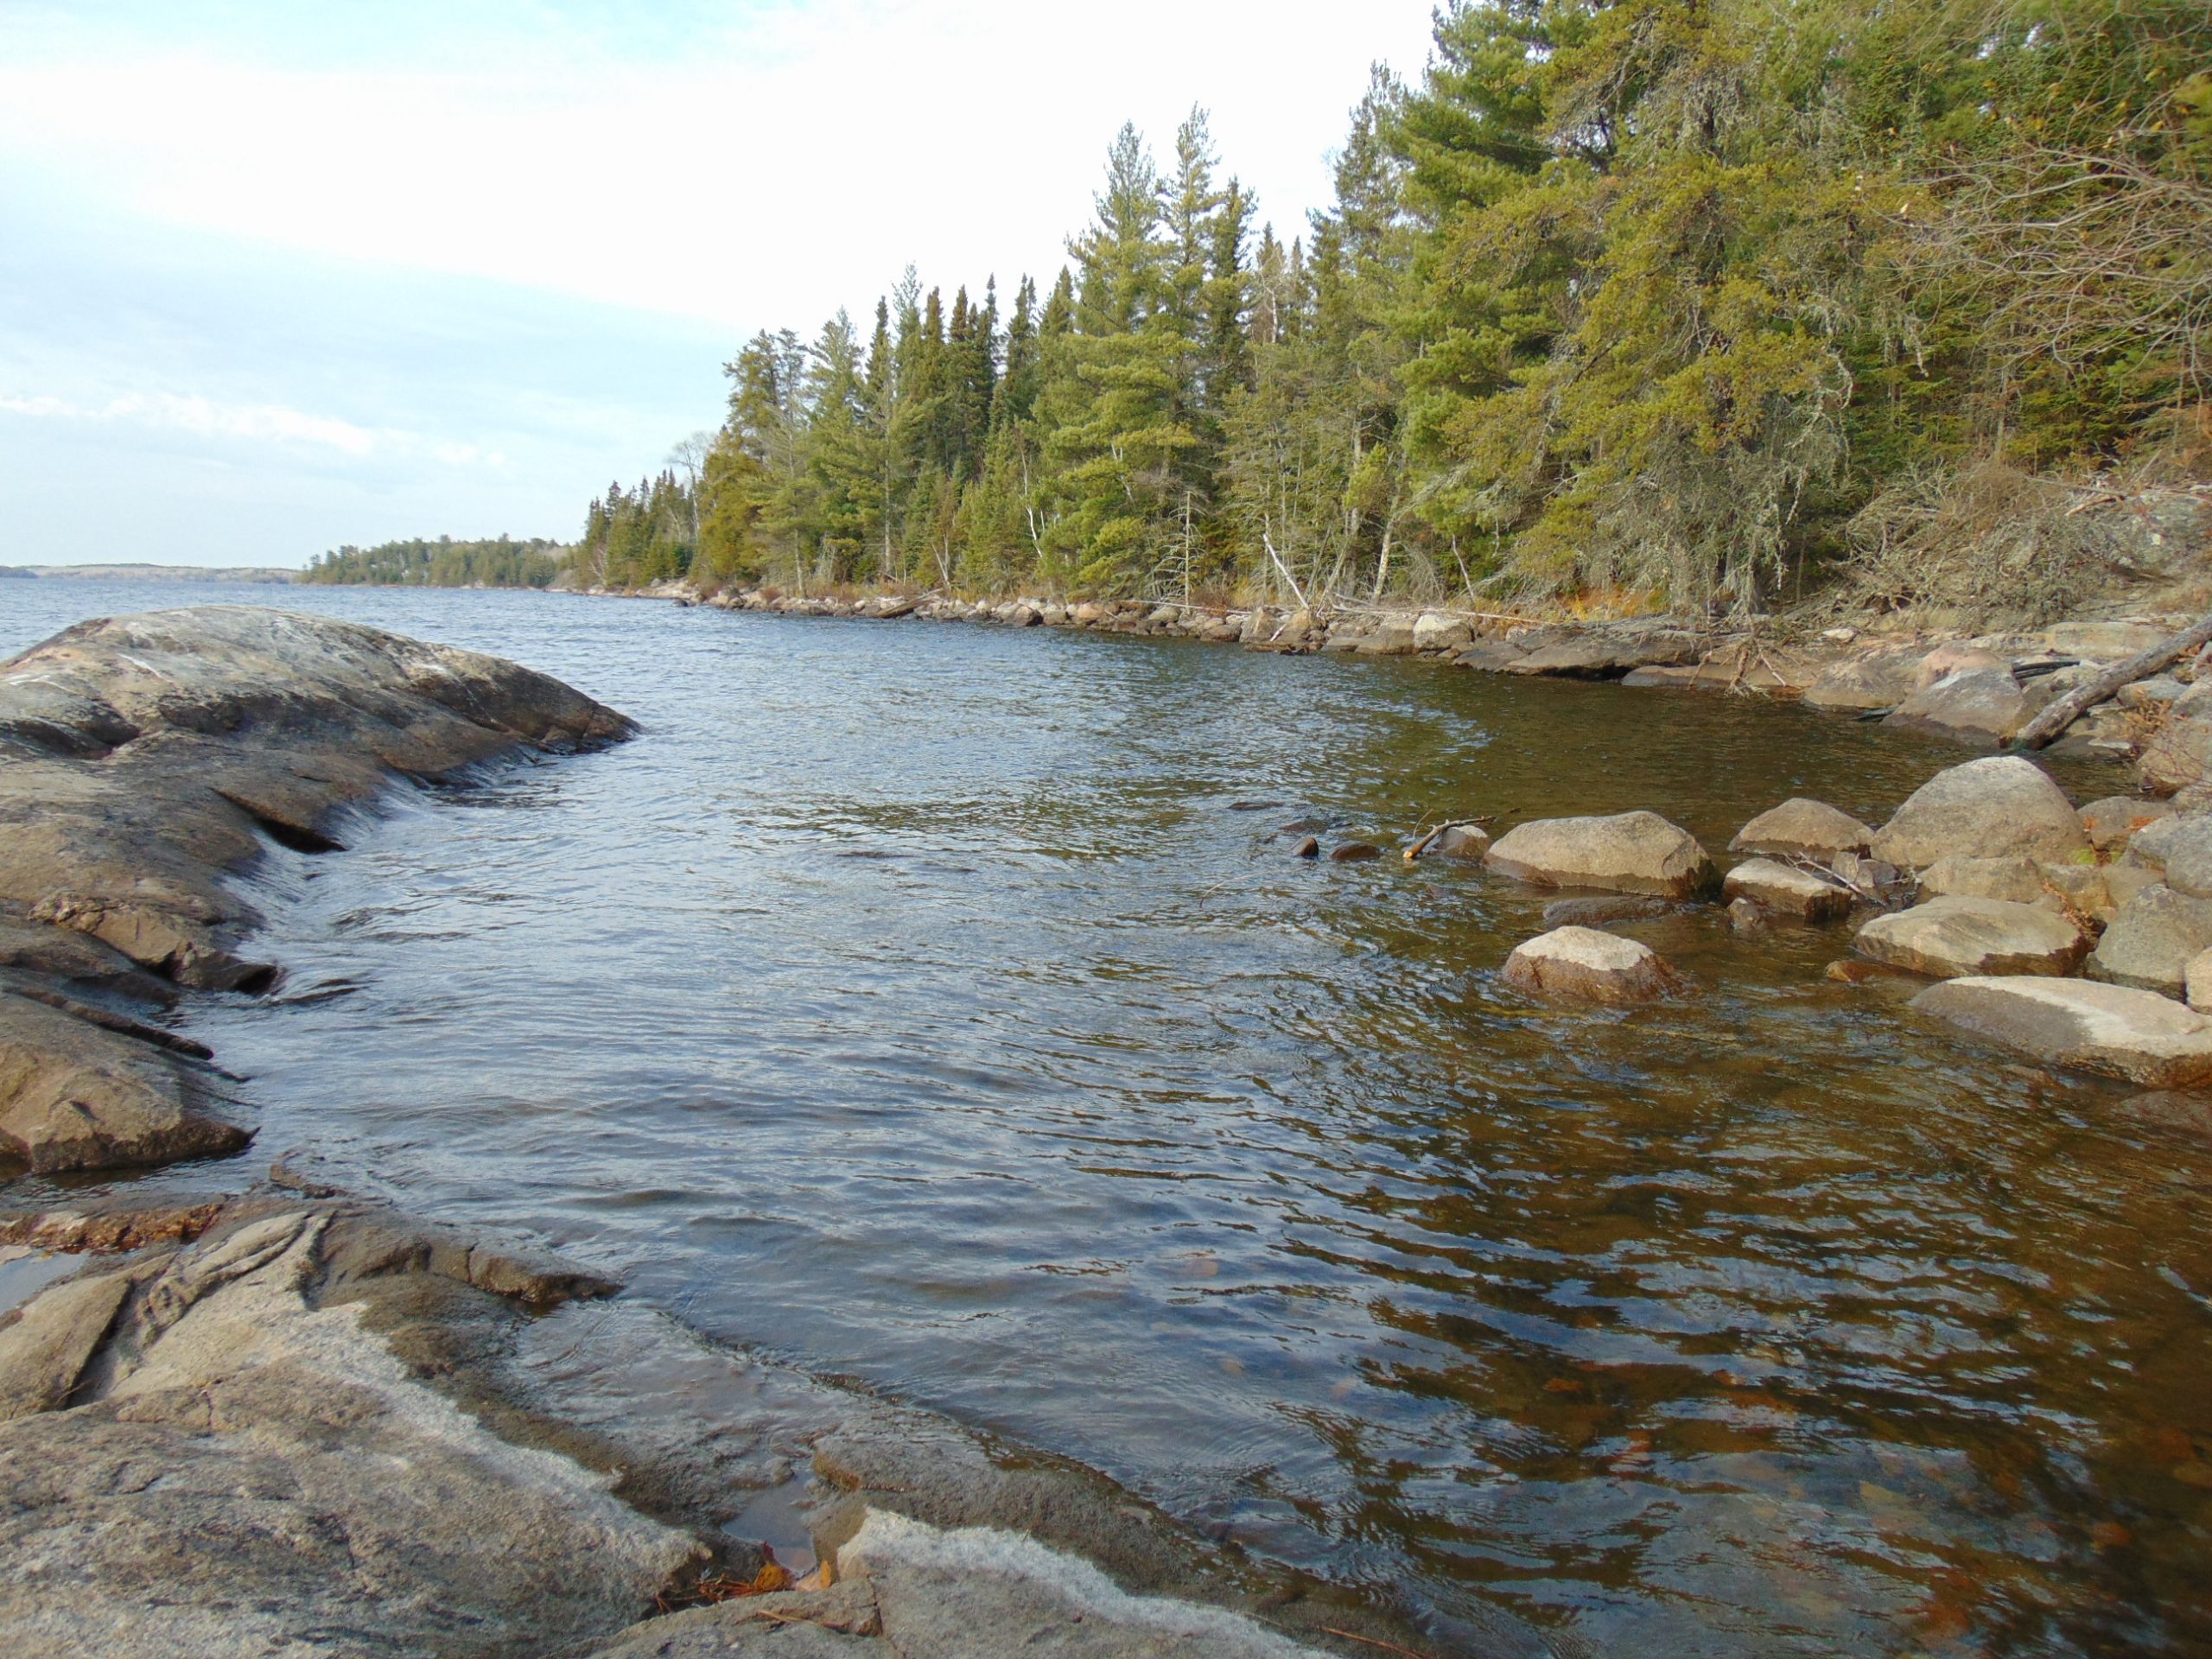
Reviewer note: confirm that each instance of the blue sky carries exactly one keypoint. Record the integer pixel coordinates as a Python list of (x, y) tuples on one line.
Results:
[(275, 277)]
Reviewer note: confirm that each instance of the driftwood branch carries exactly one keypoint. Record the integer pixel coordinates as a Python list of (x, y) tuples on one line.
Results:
[(2061, 713)]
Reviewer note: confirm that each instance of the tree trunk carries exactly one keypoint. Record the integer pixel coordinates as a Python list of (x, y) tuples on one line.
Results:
[(2062, 714)]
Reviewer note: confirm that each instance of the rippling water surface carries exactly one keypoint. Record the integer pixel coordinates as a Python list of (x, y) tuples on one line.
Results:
[(915, 1003)]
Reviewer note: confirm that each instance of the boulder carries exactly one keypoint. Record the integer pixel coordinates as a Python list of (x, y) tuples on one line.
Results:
[(2016, 881), (1307, 847), (2179, 754), (1490, 655), (1991, 808), (1354, 852), (2114, 821), (2155, 694), (1862, 684), (2147, 849), (1391, 640), (1434, 630), (1802, 828), (1608, 650), (1953, 936), (1581, 964), (1788, 890), (2153, 939), (1983, 706), (2139, 1035), (2188, 856), (1627, 851)]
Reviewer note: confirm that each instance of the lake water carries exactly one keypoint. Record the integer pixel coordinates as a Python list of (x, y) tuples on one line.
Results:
[(911, 1002)]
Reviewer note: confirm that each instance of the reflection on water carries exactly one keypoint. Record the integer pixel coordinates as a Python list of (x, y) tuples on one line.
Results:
[(909, 1002)]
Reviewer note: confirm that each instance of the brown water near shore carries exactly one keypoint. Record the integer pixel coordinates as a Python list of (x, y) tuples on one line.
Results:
[(918, 1003)]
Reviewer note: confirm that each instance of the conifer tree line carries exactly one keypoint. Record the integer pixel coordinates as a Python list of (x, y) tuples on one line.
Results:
[(503, 563), (1693, 301)]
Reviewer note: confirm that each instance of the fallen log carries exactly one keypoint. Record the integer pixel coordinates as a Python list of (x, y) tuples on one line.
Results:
[(2064, 711)]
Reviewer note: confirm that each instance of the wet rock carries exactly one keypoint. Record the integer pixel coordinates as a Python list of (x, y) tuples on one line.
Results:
[(2114, 821), (1856, 970), (1354, 852), (2151, 942), (310, 1487), (1862, 684), (2141, 1036), (75, 1096), (1581, 964), (1308, 848), (1627, 851), (1747, 917), (1468, 841), (1951, 938), (1488, 655), (1983, 706), (1989, 808), (1788, 890), (1608, 651), (1597, 913), (1802, 828)]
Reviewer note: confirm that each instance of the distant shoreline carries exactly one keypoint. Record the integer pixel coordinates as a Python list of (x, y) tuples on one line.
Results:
[(150, 573)]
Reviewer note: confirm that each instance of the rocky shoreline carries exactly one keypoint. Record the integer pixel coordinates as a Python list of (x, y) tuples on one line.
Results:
[(1981, 689), (290, 1419)]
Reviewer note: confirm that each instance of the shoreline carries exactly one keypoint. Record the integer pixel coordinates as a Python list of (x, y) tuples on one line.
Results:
[(1980, 691), (371, 1423)]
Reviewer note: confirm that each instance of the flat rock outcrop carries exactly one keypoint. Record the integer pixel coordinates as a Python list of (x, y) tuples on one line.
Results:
[(1626, 852), (1580, 964), (145, 760), (2139, 1035), (1995, 807), (1955, 936)]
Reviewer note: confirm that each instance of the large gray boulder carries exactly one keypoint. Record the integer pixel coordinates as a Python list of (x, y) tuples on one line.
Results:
[(1991, 808), (2152, 940), (1580, 964), (2179, 754), (1627, 851), (2016, 881), (1802, 828), (1953, 936), (1981, 705), (2139, 1035)]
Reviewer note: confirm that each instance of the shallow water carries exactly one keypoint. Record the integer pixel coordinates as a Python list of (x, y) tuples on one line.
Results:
[(913, 1002)]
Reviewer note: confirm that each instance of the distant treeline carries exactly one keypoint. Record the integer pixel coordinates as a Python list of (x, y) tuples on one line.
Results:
[(445, 562), (1690, 302)]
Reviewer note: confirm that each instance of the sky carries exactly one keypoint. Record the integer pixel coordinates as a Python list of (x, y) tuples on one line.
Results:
[(276, 277)]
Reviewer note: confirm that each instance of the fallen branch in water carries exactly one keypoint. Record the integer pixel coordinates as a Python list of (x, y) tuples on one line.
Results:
[(2062, 712)]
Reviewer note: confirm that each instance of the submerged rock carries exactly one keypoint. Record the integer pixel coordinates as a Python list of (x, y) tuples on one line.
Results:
[(1989, 808), (1354, 852), (1802, 828), (1469, 840), (1788, 890), (1955, 936), (1627, 851), (1597, 912), (2139, 1035), (1581, 964)]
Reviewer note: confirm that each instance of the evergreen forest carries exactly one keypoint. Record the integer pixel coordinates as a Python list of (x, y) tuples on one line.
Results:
[(1701, 303), (442, 563)]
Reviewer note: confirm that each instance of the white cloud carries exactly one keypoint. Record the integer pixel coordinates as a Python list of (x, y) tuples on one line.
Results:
[(254, 422), (794, 162)]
